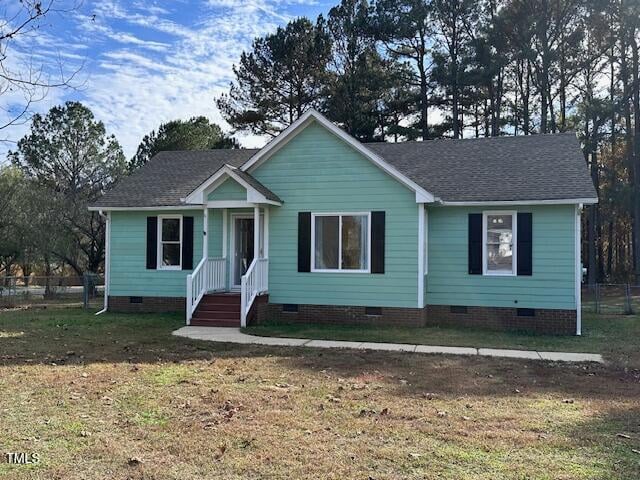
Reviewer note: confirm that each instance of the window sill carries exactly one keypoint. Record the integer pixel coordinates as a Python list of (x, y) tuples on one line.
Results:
[(499, 274), (176, 267)]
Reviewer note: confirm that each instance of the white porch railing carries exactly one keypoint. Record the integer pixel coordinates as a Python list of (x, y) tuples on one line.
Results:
[(210, 275), (253, 283)]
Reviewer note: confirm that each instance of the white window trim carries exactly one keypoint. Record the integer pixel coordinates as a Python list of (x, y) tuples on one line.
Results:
[(313, 242), (514, 241), (159, 265)]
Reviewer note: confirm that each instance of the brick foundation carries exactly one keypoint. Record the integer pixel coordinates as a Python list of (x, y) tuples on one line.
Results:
[(147, 304), (339, 315), (546, 321)]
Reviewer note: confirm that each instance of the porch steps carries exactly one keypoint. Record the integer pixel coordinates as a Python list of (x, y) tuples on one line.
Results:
[(218, 310)]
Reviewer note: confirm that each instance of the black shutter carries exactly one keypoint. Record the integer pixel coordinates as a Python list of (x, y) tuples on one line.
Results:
[(475, 244), (525, 244), (377, 241), (304, 241), (152, 243), (187, 243)]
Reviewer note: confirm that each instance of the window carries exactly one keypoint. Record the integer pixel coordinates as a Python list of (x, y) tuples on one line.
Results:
[(340, 242), (499, 252), (170, 243)]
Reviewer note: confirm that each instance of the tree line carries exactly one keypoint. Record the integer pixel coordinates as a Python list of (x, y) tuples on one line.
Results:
[(389, 70), (65, 163), (395, 70)]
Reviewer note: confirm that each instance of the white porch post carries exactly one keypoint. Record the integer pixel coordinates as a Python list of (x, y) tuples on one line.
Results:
[(227, 267), (224, 233), (205, 233), (265, 241), (256, 233)]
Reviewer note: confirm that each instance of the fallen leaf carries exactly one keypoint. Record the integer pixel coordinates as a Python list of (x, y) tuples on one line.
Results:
[(134, 461), (220, 452)]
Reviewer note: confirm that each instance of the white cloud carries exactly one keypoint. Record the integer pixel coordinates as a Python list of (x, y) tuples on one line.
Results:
[(136, 93), (149, 66)]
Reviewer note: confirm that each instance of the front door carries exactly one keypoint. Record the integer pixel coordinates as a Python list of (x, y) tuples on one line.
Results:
[(242, 248)]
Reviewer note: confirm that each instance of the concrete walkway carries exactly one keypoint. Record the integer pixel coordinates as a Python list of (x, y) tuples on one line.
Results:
[(234, 335)]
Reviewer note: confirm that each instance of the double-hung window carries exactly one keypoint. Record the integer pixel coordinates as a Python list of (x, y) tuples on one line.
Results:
[(499, 249), (340, 242), (170, 242)]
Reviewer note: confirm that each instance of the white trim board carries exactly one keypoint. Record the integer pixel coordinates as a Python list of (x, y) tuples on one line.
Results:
[(578, 260), (506, 203), (145, 209), (421, 254), (422, 196)]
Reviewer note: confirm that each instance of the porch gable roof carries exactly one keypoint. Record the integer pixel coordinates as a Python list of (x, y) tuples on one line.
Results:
[(256, 191)]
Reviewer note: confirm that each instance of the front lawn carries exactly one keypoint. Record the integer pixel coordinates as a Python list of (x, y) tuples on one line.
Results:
[(617, 337), (116, 396)]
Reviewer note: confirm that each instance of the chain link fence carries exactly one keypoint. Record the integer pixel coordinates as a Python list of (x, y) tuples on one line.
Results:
[(86, 291), (611, 298)]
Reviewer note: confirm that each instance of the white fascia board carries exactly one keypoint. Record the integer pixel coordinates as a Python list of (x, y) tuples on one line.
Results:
[(422, 196), (133, 209), (568, 201)]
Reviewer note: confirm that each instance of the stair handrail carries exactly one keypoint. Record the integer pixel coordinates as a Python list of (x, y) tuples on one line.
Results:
[(252, 284), (196, 287)]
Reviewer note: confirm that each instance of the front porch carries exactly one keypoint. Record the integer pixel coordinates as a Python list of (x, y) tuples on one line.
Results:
[(235, 243), (235, 262)]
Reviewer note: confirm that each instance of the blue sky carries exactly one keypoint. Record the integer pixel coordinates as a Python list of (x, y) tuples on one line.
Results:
[(146, 62)]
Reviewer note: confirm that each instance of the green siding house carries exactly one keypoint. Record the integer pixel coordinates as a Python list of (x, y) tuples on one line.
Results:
[(318, 227)]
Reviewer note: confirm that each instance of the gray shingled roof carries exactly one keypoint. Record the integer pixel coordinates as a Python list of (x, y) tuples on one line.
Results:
[(170, 176), (536, 167)]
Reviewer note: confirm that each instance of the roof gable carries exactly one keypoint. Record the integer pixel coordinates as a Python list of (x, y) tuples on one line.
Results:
[(228, 189), (311, 116), (255, 191)]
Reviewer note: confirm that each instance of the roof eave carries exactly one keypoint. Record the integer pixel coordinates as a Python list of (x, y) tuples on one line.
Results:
[(559, 201)]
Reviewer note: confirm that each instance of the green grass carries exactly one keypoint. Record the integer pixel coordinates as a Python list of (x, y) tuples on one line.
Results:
[(89, 393), (614, 336)]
